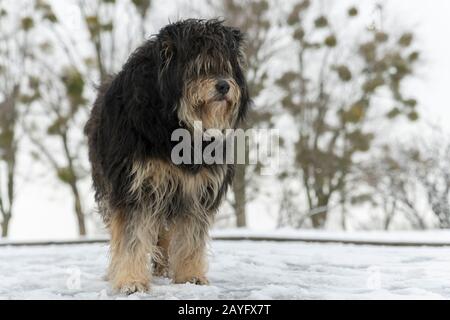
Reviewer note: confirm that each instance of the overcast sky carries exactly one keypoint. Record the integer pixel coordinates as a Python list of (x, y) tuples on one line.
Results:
[(44, 210)]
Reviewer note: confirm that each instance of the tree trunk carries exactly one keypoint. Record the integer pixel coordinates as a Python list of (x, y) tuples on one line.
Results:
[(5, 225), (344, 219), (240, 196), (318, 220), (387, 223), (78, 210), (74, 187), (389, 213)]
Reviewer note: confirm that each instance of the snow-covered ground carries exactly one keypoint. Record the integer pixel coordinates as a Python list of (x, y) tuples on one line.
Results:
[(437, 237), (240, 270), (425, 237)]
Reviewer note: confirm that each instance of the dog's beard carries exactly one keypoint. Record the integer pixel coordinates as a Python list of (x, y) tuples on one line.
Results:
[(201, 104)]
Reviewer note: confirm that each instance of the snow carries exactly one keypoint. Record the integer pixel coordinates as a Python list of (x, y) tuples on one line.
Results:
[(239, 270), (423, 237)]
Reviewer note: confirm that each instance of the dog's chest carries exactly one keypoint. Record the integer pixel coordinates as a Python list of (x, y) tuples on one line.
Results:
[(163, 188)]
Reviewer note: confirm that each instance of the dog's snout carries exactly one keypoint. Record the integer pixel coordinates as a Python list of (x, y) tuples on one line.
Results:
[(222, 86)]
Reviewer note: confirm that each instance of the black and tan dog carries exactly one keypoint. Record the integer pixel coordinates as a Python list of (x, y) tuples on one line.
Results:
[(156, 210)]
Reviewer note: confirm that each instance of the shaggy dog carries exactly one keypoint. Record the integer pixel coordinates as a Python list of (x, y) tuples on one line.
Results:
[(157, 211)]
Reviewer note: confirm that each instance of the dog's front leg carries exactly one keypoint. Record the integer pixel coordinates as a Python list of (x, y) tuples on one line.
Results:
[(187, 251), (131, 242), (161, 260)]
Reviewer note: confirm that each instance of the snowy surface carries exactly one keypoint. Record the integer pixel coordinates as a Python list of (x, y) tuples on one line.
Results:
[(240, 270), (426, 237)]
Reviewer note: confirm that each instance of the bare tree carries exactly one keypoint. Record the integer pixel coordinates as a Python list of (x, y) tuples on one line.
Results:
[(419, 170), (8, 151), (14, 55), (65, 89), (333, 96), (111, 37), (389, 181), (430, 160), (57, 145)]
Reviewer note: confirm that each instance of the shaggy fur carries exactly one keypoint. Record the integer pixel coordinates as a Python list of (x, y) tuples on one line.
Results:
[(156, 210)]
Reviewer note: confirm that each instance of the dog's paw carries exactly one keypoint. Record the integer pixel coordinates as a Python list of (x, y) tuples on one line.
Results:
[(199, 280), (133, 287)]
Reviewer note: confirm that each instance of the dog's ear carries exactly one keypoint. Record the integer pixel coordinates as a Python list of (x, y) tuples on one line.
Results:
[(238, 45), (169, 75), (237, 35), (140, 98), (167, 51), (240, 63)]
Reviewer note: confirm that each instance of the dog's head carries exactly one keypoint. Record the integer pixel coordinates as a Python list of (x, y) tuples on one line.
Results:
[(200, 73)]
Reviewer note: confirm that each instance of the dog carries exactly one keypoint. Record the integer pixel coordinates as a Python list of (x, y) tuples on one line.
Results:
[(159, 213)]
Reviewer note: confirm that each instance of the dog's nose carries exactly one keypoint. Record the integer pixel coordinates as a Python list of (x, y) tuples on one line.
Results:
[(222, 86)]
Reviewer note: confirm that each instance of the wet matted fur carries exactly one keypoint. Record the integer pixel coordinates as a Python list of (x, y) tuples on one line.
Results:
[(156, 210)]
